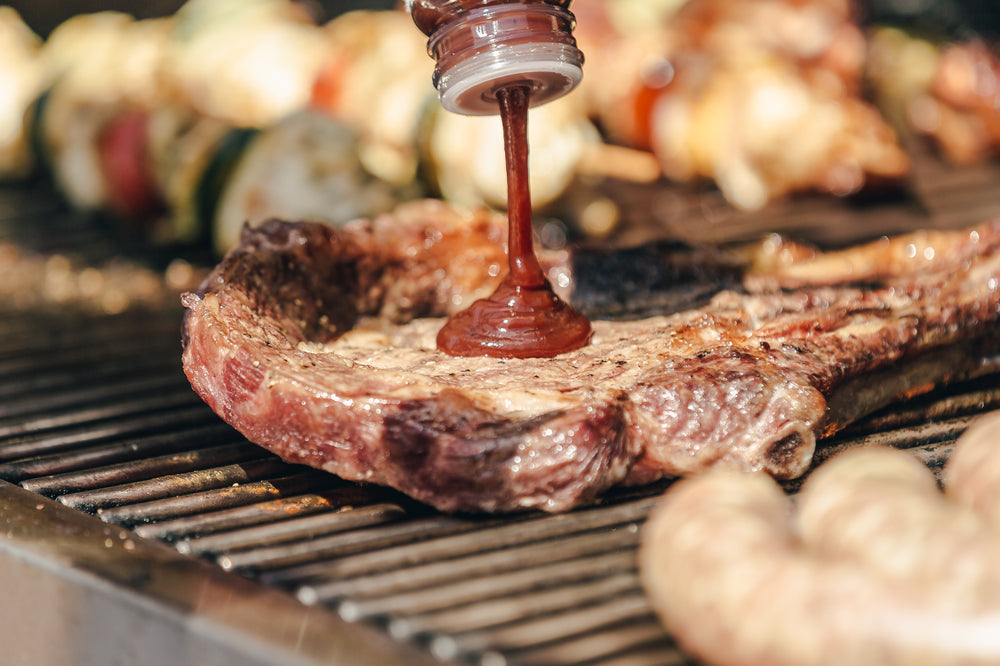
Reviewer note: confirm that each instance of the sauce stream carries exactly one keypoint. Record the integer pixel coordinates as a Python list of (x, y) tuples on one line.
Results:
[(523, 318)]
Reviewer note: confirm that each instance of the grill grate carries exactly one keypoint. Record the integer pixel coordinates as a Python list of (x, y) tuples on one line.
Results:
[(96, 414)]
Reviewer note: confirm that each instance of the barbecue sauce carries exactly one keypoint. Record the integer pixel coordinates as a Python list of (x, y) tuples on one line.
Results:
[(523, 318), (504, 56)]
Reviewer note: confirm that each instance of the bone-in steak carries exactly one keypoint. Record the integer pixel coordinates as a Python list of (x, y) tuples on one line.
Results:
[(319, 344)]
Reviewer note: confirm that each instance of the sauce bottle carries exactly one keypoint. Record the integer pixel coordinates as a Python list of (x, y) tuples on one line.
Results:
[(481, 46)]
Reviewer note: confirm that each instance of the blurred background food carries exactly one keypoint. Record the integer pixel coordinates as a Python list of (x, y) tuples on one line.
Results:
[(183, 120)]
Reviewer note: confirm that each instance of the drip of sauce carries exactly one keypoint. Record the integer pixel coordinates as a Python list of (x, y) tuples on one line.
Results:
[(523, 318)]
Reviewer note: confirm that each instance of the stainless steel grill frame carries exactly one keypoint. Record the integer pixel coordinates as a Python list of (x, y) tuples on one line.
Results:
[(136, 527)]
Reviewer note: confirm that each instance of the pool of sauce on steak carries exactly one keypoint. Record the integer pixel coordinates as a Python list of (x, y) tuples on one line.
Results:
[(523, 318)]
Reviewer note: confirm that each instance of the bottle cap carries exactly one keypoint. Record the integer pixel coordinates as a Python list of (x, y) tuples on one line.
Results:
[(501, 45)]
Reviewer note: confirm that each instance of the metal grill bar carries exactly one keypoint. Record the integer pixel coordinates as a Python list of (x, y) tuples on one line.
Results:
[(565, 618), (973, 401), (112, 392), (139, 466), (304, 528), (507, 608), (615, 645), (939, 196), (238, 493), (33, 331), (483, 582), (179, 396), (65, 378), (191, 528), (71, 327), (276, 564), (911, 437), (498, 536), (48, 358), (170, 486), (85, 432), (564, 615), (934, 455), (35, 341), (398, 583)]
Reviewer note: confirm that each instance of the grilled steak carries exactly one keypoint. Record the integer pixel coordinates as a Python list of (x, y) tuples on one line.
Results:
[(319, 344)]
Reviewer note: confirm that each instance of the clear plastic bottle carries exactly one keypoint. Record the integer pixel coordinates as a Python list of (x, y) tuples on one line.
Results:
[(483, 45)]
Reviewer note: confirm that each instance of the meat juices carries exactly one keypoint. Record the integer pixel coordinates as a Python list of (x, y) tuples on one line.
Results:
[(523, 318)]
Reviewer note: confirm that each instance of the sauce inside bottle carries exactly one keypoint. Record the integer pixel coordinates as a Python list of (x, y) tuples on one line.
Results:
[(523, 318)]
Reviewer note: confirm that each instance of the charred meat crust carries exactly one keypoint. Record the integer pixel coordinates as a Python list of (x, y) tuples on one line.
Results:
[(652, 279), (318, 344), (440, 450), (284, 280)]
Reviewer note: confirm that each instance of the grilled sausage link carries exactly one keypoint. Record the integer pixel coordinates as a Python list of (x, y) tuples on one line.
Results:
[(873, 566), (972, 476)]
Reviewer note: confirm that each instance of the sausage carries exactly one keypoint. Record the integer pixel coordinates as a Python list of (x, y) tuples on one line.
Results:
[(871, 564), (880, 510), (972, 475)]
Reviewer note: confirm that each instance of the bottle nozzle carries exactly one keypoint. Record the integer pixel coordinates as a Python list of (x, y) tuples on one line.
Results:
[(470, 87), (495, 46)]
